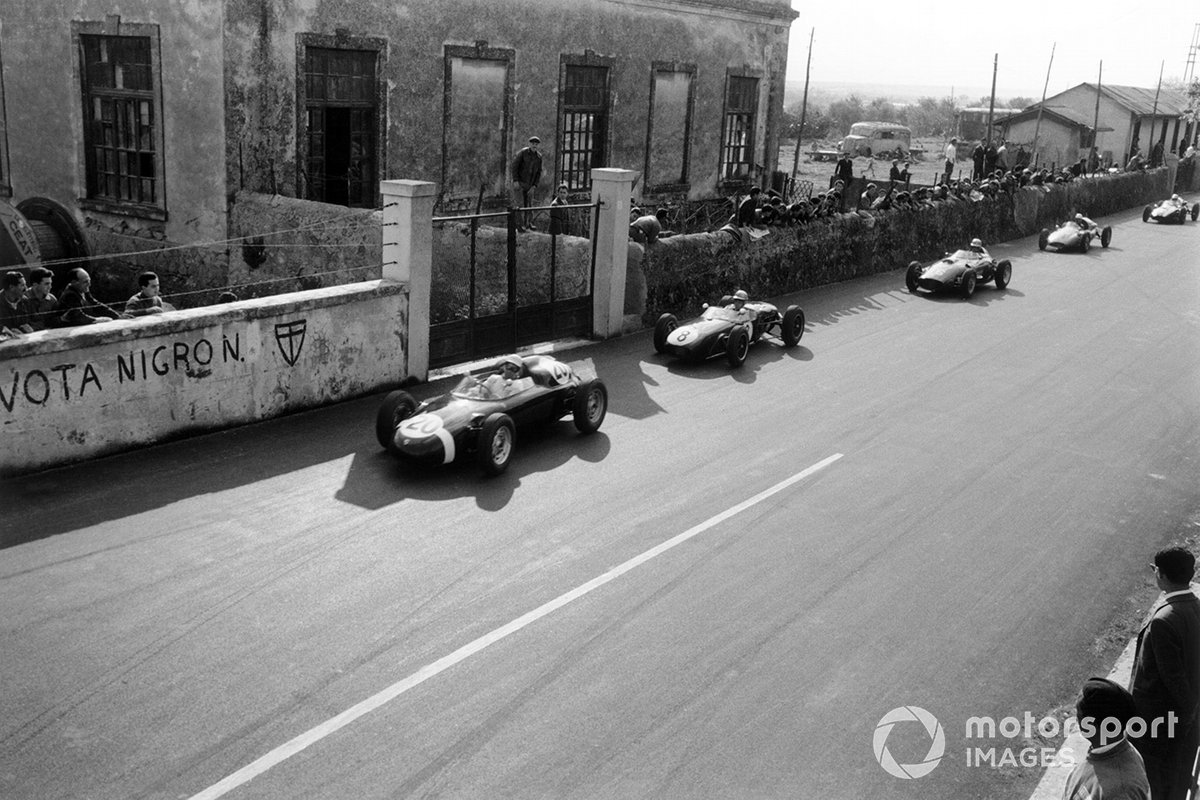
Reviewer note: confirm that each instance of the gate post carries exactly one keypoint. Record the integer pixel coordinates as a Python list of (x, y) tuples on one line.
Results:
[(408, 258), (611, 188)]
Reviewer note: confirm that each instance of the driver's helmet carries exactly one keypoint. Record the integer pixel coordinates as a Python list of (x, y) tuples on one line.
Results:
[(1177, 198), (510, 367), (739, 298), (977, 245), (1079, 218)]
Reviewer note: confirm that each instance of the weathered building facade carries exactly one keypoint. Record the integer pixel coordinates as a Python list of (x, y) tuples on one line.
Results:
[(144, 128), (1125, 117)]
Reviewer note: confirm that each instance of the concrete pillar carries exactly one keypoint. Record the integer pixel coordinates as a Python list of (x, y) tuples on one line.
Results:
[(611, 188), (408, 258)]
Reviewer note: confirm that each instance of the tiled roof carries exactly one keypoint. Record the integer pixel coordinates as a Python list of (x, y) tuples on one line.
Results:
[(1140, 101)]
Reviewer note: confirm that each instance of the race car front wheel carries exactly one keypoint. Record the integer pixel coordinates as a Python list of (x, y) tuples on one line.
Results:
[(1195, 211), (911, 275), (967, 287), (591, 404), (1043, 239), (737, 346), (793, 326), (1003, 273), (497, 438), (1106, 236), (1146, 214), (662, 329), (397, 407)]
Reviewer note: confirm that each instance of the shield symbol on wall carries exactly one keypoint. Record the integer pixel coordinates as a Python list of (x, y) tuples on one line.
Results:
[(290, 338)]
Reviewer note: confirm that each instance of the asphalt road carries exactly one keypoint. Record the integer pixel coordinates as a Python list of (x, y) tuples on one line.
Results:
[(929, 502)]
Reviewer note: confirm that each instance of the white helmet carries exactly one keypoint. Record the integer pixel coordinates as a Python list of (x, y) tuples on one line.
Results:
[(976, 243), (1176, 198)]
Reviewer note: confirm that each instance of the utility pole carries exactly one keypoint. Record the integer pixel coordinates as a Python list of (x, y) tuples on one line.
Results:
[(1153, 114), (1037, 126), (803, 107), (992, 101), (1096, 119)]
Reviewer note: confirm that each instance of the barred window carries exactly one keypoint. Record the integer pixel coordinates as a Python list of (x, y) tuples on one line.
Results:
[(340, 114), (583, 141), (121, 115), (737, 134)]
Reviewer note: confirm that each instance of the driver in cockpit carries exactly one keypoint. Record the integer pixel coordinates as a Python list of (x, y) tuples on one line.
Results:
[(977, 248), (507, 380), (738, 304), (1083, 223)]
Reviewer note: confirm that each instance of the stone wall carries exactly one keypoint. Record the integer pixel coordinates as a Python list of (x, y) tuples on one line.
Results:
[(67, 395), (682, 272)]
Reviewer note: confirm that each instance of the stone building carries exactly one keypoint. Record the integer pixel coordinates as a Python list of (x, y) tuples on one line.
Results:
[(1128, 116), (141, 127)]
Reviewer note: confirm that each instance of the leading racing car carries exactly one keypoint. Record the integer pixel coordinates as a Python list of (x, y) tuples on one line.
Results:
[(480, 416), (1171, 212), (1074, 234), (959, 271), (727, 328)]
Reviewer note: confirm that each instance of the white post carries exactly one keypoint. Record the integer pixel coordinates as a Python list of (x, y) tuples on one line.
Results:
[(408, 258), (611, 188)]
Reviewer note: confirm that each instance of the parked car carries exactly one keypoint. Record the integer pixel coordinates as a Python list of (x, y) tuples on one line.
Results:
[(959, 271), (1170, 212), (877, 138), (480, 416), (722, 329)]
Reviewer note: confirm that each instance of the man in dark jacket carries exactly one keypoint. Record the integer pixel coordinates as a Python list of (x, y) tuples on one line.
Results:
[(1166, 678), (844, 172), (526, 172), (78, 306)]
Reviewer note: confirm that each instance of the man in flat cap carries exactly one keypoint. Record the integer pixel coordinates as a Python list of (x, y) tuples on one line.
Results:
[(1166, 677), (526, 172), (1113, 768)]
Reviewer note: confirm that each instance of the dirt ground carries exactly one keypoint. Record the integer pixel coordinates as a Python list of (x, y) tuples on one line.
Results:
[(926, 169)]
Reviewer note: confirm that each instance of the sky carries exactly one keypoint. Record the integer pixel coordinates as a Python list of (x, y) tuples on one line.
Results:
[(944, 45)]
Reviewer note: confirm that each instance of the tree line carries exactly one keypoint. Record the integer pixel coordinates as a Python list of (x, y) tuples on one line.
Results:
[(929, 116)]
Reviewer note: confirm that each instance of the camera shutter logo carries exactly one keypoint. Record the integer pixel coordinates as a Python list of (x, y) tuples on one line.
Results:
[(290, 338), (937, 743)]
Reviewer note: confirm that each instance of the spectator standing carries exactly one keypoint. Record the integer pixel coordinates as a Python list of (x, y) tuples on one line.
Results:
[(1136, 162), (14, 310), (526, 173), (1113, 769), (1156, 155), (990, 158), (898, 175), (844, 172), (560, 220), (148, 300), (1002, 161), (40, 299), (78, 306), (977, 161), (1166, 677), (951, 154)]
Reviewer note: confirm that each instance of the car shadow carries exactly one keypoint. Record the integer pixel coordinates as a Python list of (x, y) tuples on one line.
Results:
[(378, 480), (983, 296)]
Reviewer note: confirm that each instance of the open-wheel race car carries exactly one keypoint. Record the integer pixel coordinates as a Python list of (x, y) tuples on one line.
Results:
[(480, 416), (727, 328), (1074, 234), (960, 271), (1171, 212)]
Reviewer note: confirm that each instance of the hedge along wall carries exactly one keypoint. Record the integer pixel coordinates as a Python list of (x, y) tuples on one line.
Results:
[(682, 272)]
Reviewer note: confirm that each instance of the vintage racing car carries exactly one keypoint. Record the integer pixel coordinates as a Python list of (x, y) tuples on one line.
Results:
[(1074, 234), (480, 416), (959, 271), (1171, 212), (725, 329)]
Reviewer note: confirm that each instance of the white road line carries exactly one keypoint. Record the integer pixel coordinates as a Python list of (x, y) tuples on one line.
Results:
[(289, 749)]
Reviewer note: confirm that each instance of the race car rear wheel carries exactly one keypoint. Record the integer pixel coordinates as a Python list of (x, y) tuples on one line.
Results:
[(910, 276), (1195, 211), (1003, 273), (792, 326), (967, 287), (1043, 239), (1146, 214), (662, 329), (737, 346), (1106, 236), (497, 438), (591, 404), (1085, 243), (397, 407)]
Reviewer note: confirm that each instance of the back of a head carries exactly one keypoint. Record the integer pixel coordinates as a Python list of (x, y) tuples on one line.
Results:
[(1176, 564), (1103, 710), (12, 279)]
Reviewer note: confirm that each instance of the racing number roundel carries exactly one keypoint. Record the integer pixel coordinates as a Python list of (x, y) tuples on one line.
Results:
[(421, 426), (559, 373)]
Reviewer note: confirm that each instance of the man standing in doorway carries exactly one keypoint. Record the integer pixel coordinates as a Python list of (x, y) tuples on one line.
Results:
[(526, 172)]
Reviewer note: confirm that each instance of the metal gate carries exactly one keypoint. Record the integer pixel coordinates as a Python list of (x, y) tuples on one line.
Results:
[(494, 293)]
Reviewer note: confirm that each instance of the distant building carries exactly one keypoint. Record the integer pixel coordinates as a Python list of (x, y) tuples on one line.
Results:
[(1128, 117), (1062, 136), (136, 124), (970, 124)]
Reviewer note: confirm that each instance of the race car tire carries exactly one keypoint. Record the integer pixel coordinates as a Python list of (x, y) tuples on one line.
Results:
[(591, 404), (662, 329), (497, 439), (967, 287), (1003, 274), (1106, 236), (737, 346), (397, 407), (792, 327), (1195, 211), (911, 275), (1085, 243), (1146, 214), (1043, 239)]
